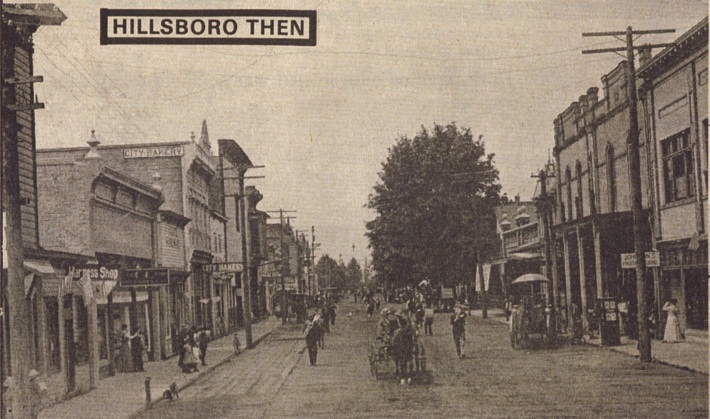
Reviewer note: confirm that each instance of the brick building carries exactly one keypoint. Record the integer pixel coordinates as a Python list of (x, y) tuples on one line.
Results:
[(109, 219), (674, 98), (519, 229), (592, 225), (190, 230)]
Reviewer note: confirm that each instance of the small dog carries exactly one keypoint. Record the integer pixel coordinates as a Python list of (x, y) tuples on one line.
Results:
[(172, 392)]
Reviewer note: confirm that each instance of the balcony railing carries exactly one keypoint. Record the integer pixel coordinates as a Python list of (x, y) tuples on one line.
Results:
[(521, 236)]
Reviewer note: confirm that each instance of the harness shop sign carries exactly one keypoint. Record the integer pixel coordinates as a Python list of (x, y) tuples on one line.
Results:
[(628, 260), (98, 273)]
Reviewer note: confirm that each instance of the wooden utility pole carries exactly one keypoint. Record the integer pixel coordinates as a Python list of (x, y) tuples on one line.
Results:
[(18, 309), (544, 209), (246, 281), (635, 176)]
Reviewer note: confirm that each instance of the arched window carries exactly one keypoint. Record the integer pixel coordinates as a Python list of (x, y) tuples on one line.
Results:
[(580, 204), (568, 178), (591, 178), (611, 177)]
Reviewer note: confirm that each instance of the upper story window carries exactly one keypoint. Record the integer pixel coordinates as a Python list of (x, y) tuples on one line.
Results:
[(678, 167), (611, 177)]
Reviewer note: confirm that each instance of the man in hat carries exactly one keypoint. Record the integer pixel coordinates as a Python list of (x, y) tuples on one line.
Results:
[(383, 327), (313, 333), (458, 328)]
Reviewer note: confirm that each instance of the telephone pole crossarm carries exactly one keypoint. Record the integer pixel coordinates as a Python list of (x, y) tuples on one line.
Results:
[(623, 33), (619, 49)]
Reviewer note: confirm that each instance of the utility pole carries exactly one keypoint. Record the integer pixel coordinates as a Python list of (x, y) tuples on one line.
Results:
[(246, 280), (19, 313), (635, 175), (544, 208), (285, 267), (312, 271)]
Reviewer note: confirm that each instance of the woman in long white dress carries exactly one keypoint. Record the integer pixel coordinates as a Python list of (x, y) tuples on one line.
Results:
[(672, 332)]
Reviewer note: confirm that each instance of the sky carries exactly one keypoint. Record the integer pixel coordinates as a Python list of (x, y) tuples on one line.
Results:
[(322, 118)]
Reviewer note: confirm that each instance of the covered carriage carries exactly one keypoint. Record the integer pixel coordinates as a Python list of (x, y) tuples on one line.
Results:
[(532, 317)]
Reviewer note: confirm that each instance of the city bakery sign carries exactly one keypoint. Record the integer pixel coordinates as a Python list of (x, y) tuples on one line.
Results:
[(157, 151)]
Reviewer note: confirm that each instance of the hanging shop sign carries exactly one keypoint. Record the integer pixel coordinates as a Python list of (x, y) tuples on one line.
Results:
[(144, 278), (97, 273), (628, 260), (223, 267)]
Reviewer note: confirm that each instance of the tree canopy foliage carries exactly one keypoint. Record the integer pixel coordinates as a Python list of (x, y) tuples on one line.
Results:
[(434, 208), (332, 273)]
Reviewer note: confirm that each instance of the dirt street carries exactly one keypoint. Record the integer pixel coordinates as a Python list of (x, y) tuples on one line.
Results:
[(493, 380)]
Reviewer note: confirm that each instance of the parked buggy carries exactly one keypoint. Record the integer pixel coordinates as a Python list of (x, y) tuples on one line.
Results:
[(532, 317)]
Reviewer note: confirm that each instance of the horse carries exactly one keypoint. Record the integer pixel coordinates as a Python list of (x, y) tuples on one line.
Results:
[(402, 349)]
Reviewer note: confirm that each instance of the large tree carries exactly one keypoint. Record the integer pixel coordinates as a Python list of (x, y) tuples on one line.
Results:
[(353, 274), (434, 208), (330, 273)]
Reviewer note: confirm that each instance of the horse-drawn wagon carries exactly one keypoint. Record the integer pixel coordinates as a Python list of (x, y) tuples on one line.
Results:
[(532, 316), (401, 352)]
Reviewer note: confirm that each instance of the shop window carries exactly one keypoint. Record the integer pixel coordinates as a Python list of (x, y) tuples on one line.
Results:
[(678, 167)]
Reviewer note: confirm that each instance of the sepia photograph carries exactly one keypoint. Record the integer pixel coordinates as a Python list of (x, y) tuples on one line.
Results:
[(503, 203)]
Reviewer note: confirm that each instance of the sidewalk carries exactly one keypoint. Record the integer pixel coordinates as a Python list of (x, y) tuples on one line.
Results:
[(691, 354), (123, 395)]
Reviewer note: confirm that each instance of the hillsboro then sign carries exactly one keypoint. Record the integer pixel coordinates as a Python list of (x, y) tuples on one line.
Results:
[(216, 26)]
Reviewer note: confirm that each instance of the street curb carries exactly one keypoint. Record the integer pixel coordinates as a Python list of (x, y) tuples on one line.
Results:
[(613, 349), (653, 360), (203, 373)]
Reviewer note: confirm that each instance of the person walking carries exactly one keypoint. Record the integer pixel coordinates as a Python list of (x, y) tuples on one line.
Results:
[(191, 354), (124, 351), (428, 320), (313, 333), (672, 332), (458, 328), (332, 313), (202, 341), (325, 315), (370, 308), (137, 348)]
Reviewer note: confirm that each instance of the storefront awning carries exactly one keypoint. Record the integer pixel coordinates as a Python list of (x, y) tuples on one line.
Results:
[(523, 256), (39, 267)]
